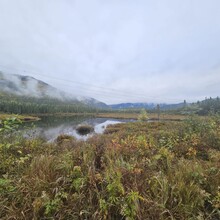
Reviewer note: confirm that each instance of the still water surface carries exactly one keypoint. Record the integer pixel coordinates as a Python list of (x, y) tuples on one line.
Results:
[(51, 127)]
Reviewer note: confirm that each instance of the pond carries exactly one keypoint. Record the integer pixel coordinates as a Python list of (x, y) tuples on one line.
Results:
[(51, 127)]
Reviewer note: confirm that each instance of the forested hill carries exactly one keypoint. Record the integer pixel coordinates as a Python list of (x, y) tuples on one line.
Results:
[(24, 94), (28, 86), (211, 105), (31, 105), (204, 107)]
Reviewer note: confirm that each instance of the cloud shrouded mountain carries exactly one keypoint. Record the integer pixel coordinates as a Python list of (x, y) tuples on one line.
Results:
[(29, 86), (166, 50)]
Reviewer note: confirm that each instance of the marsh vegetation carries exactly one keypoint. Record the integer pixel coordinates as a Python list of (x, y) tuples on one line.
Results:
[(138, 170)]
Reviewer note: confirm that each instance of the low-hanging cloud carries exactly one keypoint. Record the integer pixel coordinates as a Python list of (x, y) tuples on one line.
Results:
[(115, 51)]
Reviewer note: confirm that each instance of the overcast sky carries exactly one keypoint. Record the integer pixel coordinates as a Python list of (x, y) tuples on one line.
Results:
[(115, 50)]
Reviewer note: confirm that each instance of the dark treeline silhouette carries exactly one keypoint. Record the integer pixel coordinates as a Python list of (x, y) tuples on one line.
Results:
[(211, 105), (28, 105)]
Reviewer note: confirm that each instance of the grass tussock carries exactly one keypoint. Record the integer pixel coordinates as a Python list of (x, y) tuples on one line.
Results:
[(84, 129), (63, 138), (159, 170)]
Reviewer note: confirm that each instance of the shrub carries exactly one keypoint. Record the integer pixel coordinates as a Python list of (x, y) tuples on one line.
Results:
[(143, 115)]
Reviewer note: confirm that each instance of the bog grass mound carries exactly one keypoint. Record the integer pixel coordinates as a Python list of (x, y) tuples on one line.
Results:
[(64, 138), (84, 129), (140, 170)]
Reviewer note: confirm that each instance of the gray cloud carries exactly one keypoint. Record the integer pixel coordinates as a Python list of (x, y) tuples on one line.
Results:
[(162, 51)]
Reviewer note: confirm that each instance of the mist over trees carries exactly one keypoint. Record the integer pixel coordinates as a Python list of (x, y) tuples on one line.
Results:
[(31, 105)]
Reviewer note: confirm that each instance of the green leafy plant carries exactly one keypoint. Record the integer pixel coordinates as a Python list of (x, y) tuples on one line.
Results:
[(9, 124), (143, 115)]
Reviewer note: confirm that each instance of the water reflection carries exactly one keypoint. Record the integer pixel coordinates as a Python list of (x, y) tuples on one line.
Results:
[(51, 127)]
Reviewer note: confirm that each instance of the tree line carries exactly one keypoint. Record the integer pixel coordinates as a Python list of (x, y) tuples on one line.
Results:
[(31, 105), (209, 105)]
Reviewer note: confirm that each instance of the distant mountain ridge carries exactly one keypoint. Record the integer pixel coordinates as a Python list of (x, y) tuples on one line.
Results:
[(133, 105), (29, 86), (149, 106)]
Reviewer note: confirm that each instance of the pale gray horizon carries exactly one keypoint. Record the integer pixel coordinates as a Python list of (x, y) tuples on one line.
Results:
[(115, 51)]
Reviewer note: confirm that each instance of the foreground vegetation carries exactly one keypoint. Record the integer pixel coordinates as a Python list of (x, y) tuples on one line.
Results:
[(158, 170), (23, 118)]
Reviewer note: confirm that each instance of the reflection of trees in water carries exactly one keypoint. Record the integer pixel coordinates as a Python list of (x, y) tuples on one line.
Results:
[(95, 121), (52, 121), (47, 122)]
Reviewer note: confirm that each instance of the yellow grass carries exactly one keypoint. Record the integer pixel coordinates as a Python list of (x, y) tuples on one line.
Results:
[(151, 116), (21, 117)]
